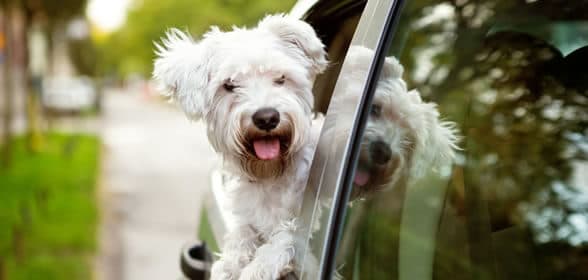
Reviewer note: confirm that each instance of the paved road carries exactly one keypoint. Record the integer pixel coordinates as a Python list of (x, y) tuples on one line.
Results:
[(155, 165)]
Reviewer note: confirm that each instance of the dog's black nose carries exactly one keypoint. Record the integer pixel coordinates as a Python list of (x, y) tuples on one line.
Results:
[(266, 118), (380, 152)]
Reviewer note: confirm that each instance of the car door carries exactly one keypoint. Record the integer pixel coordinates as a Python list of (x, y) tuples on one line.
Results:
[(512, 204)]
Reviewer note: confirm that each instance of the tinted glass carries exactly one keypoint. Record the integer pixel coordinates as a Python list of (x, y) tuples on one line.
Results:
[(510, 201), (325, 173)]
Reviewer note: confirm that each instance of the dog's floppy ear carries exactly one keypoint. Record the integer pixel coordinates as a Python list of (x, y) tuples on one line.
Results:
[(299, 34), (392, 72), (436, 140), (181, 70), (392, 68)]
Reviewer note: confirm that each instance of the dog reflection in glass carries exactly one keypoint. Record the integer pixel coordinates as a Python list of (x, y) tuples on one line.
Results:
[(404, 137)]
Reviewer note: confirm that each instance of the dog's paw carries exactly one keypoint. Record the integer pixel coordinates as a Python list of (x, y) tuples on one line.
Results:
[(257, 271), (288, 275), (265, 271), (223, 270)]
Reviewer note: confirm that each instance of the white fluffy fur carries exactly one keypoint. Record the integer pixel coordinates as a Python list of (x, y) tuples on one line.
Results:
[(264, 196)]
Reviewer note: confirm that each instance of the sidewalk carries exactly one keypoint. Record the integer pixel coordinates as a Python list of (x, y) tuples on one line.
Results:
[(155, 164)]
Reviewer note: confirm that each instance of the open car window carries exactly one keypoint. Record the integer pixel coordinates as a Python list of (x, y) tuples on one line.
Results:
[(511, 201), (335, 22)]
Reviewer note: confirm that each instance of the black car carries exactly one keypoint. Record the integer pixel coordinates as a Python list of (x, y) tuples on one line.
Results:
[(511, 74)]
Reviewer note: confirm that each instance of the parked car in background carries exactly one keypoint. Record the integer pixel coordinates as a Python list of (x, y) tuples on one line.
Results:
[(69, 94), (514, 205)]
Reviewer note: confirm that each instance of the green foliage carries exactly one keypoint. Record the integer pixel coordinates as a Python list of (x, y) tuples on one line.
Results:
[(48, 212), (205, 232), (83, 56), (130, 50), (50, 267)]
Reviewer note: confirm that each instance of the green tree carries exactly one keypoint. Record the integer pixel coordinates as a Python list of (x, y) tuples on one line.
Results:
[(130, 49)]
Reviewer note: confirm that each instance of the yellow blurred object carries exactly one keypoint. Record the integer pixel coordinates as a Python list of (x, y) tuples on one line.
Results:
[(2, 40), (34, 137)]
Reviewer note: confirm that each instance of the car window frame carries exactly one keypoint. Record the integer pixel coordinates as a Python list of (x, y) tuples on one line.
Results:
[(384, 31), (355, 138)]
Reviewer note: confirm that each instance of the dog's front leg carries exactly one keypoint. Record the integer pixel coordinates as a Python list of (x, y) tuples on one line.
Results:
[(273, 259), (237, 252)]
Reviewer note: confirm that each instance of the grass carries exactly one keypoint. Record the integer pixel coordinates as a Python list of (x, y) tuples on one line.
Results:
[(206, 234), (48, 213)]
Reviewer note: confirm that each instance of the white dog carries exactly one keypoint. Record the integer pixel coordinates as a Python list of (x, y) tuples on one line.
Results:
[(252, 87)]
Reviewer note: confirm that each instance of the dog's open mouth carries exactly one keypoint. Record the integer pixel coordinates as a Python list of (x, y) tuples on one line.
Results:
[(269, 147), (368, 174), (362, 177)]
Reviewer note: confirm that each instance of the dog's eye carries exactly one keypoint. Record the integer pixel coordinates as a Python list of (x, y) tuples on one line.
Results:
[(228, 86), (280, 81), (376, 110)]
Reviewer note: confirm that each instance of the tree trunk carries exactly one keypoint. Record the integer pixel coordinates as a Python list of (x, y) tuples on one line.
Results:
[(32, 102), (7, 87)]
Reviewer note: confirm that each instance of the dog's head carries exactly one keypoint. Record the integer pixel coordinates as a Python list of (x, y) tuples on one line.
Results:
[(404, 137), (251, 86)]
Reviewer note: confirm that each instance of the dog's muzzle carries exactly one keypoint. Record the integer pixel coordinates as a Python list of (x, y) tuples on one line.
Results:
[(375, 163), (380, 152), (266, 119), (269, 140)]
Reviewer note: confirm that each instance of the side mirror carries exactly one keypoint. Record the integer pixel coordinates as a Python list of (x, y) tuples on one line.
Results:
[(196, 261)]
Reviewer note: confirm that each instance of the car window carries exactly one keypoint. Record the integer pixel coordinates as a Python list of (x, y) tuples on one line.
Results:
[(335, 22), (495, 185), (321, 194)]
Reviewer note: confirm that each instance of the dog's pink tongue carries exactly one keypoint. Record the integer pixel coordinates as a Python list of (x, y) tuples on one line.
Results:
[(361, 178), (267, 149)]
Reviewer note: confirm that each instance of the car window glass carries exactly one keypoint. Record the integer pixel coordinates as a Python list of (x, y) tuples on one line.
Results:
[(331, 150), (510, 199), (335, 22)]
